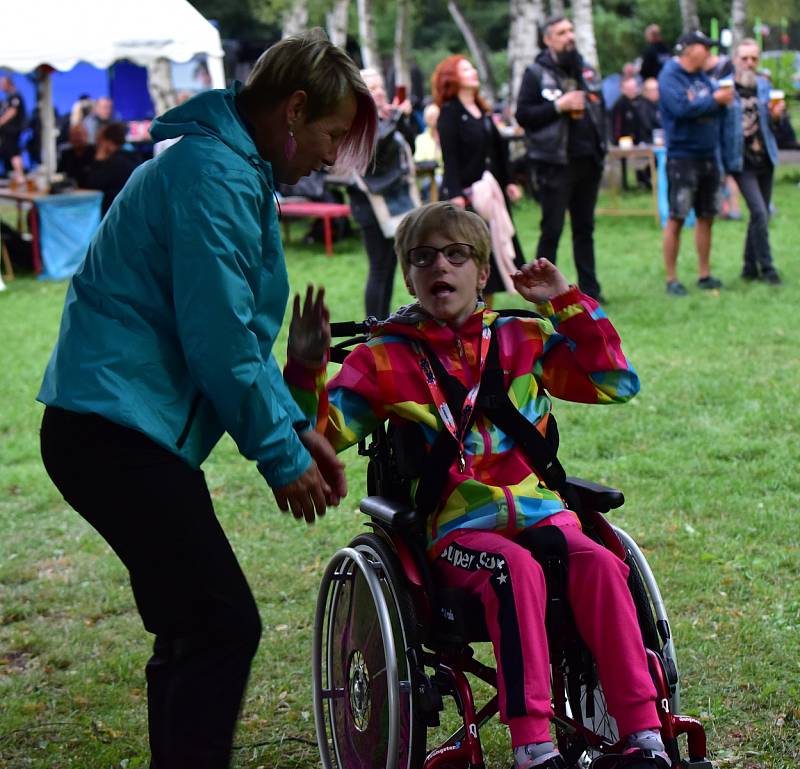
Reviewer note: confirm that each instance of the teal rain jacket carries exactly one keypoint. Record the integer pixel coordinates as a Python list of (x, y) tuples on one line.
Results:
[(168, 325)]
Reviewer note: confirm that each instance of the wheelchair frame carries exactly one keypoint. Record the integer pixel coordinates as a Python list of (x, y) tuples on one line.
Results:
[(389, 568)]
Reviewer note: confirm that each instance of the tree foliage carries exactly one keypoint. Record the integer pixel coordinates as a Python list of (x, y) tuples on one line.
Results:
[(619, 24)]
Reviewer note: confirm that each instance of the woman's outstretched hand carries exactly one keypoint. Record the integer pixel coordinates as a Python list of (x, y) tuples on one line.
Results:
[(539, 280), (310, 328)]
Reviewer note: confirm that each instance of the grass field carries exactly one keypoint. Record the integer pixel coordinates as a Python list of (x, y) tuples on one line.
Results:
[(707, 456)]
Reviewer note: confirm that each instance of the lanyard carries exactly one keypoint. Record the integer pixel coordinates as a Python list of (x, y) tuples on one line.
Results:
[(460, 431)]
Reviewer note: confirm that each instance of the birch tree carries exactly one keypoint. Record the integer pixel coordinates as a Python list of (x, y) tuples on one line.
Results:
[(584, 31), (295, 18), (160, 85), (557, 8), (523, 41), (476, 50), (689, 17), (336, 22), (370, 55), (402, 39), (739, 21)]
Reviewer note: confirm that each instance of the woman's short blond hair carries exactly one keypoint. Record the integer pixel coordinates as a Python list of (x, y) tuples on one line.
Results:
[(446, 219), (310, 62)]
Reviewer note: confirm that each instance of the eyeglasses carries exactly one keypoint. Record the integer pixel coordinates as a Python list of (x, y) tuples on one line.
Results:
[(455, 253)]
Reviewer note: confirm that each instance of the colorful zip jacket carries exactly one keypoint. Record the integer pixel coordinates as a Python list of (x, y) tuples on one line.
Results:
[(573, 352)]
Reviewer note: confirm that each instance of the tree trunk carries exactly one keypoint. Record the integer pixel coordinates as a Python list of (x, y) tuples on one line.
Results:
[(477, 51), (402, 35), (557, 8), (295, 18), (160, 85), (689, 16), (584, 30), (370, 55), (336, 22), (739, 21), (526, 16)]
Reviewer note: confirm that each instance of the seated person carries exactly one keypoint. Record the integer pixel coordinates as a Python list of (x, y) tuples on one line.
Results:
[(625, 116), (492, 494), (77, 156), (427, 150), (648, 107), (112, 165), (102, 115)]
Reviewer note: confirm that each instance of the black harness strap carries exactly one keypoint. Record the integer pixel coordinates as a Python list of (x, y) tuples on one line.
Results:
[(494, 403)]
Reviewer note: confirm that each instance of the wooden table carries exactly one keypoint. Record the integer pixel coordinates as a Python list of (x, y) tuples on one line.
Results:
[(314, 210), (34, 200), (617, 154)]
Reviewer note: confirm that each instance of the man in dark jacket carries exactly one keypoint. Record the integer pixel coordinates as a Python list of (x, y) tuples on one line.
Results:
[(649, 107), (626, 119), (690, 109), (561, 109), (12, 121), (112, 165), (655, 55)]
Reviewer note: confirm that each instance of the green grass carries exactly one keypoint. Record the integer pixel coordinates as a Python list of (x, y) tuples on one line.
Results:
[(706, 455)]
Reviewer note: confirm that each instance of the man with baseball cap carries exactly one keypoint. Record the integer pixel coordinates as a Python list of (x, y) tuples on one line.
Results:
[(690, 107)]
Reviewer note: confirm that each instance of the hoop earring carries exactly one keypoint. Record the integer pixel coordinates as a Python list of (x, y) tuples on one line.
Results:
[(290, 148)]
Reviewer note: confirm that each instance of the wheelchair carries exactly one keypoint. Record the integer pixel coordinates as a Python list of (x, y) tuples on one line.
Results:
[(389, 648)]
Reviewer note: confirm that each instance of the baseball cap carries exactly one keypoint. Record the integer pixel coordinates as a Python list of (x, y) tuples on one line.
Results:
[(693, 38)]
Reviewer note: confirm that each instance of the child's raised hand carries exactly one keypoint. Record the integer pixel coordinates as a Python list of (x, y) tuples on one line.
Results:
[(310, 330), (539, 280)]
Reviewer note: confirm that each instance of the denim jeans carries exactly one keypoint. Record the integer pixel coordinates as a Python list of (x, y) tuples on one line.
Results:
[(756, 188)]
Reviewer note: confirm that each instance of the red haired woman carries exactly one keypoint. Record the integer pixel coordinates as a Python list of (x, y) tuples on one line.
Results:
[(476, 169)]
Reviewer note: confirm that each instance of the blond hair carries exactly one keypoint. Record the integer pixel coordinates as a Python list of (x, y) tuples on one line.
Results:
[(443, 218), (310, 62)]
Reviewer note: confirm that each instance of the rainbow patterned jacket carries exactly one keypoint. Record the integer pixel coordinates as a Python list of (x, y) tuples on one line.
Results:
[(573, 352)]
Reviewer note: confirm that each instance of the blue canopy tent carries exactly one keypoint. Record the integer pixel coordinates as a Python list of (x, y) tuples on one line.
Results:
[(52, 35)]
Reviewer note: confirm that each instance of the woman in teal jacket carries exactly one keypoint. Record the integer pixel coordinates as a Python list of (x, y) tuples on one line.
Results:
[(166, 342)]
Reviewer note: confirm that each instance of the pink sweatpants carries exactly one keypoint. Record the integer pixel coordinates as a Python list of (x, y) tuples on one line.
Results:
[(511, 586)]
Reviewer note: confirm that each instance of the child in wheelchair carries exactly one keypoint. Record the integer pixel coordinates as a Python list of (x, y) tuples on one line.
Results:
[(426, 366)]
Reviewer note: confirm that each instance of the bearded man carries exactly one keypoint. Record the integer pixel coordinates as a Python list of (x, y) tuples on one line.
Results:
[(750, 154), (561, 108)]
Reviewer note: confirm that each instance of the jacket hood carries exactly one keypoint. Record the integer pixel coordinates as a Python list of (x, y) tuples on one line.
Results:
[(414, 322), (211, 113)]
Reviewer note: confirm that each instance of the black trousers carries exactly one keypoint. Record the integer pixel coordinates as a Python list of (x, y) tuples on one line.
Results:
[(155, 511), (570, 188), (756, 187), (382, 266)]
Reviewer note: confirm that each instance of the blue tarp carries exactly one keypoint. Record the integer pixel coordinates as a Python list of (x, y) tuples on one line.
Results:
[(663, 190), (67, 224), (124, 82)]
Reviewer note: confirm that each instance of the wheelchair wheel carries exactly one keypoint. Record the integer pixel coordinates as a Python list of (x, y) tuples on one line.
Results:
[(366, 653), (583, 698)]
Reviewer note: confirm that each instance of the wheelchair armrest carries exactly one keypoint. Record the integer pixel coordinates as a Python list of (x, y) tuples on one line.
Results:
[(397, 516), (595, 496)]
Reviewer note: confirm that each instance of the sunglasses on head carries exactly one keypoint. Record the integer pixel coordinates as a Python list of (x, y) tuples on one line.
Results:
[(455, 253)]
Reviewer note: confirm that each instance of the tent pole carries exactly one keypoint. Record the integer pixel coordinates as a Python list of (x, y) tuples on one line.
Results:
[(47, 122)]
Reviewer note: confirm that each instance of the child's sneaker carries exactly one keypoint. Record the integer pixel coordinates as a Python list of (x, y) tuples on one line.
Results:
[(709, 283)]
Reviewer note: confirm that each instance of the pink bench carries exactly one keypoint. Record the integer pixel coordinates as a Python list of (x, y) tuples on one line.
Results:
[(312, 210)]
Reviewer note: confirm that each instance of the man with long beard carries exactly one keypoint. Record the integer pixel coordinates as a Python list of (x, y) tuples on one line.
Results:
[(750, 154), (561, 109)]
